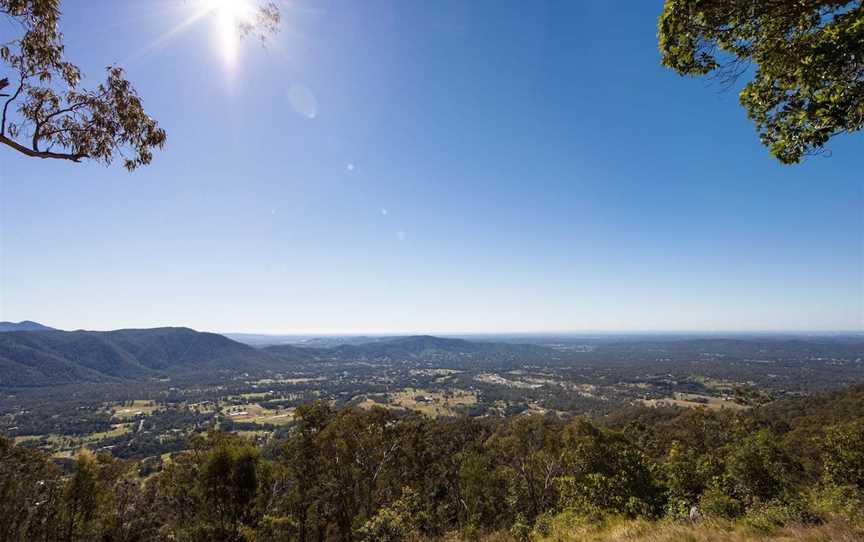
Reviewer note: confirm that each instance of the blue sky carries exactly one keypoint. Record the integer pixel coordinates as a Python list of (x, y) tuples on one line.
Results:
[(412, 167)]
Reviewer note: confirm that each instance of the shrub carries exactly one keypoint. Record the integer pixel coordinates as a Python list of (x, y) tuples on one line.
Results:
[(395, 522), (717, 503)]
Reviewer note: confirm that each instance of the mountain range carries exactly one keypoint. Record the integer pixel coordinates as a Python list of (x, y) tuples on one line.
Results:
[(47, 357), (50, 357)]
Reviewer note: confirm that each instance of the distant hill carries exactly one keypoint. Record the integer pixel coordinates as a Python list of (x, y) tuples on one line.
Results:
[(305, 341), (410, 347), (292, 351), (24, 325), (40, 358)]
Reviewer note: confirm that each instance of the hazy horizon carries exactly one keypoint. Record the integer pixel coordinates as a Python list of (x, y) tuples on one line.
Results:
[(469, 333)]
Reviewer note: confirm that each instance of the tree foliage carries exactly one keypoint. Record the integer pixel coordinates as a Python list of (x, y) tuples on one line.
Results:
[(843, 449), (47, 114), (806, 58)]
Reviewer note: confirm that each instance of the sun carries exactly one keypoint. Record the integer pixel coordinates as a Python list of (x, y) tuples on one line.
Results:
[(229, 15), (230, 20)]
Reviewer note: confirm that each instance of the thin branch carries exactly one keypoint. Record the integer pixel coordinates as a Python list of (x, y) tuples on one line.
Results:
[(50, 116), (6, 105), (48, 133)]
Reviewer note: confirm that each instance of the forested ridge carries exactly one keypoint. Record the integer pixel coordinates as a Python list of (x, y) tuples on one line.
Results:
[(358, 474), (55, 357)]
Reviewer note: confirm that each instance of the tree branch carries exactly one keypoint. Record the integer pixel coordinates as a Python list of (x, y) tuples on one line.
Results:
[(6, 106), (40, 154)]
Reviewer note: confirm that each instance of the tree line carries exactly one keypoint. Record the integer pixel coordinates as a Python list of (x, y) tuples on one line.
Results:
[(374, 475)]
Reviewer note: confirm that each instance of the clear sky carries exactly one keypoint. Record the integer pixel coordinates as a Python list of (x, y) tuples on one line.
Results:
[(406, 166)]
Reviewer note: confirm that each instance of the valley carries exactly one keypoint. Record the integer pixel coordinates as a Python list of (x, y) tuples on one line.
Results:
[(142, 394)]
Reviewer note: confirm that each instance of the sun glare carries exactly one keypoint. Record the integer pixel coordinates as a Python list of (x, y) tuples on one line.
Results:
[(229, 15)]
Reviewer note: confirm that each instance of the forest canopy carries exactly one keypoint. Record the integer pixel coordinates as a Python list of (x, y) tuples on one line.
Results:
[(373, 475)]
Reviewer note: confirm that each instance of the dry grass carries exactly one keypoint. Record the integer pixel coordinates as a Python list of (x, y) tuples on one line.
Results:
[(695, 400), (64, 445), (430, 403), (116, 430), (574, 530), (139, 407), (433, 403), (255, 413)]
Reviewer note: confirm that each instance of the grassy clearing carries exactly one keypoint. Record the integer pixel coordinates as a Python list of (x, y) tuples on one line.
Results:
[(430, 403), (139, 407), (63, 446), (695, 400), (433, 403), (27, 438), (116, 430), (255, 413)]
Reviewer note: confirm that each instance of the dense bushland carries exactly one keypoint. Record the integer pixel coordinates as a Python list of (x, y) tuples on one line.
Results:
[(373, 475)]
